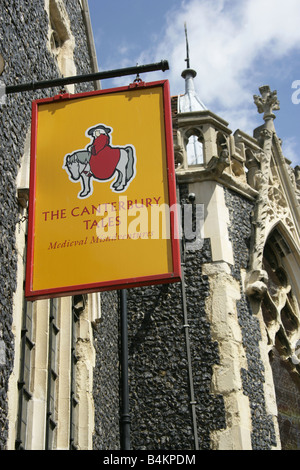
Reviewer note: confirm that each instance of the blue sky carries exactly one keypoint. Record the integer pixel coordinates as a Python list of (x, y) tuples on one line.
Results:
[(236, 46)]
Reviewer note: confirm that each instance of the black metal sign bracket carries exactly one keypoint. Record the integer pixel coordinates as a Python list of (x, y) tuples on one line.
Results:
[(61, 82)]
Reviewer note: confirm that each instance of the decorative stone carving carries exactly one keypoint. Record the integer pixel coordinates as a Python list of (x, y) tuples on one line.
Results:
[(297, 181), (294, 175), (297, 174), (261, 210), (271, 207), (178, 151), (61, 39), (267, 102), (178, 156), (254, 174), (257, 284), (218, 164), (291, 175), (281, 313)]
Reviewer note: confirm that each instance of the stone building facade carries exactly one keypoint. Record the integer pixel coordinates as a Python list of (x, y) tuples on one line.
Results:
[(38, 41), (214, 359)]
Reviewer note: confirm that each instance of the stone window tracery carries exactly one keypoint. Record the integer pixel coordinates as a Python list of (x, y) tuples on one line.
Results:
[(280, 307), (281, 314)]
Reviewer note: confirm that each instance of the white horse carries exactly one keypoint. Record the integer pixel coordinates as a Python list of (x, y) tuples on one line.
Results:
[(77, 165)]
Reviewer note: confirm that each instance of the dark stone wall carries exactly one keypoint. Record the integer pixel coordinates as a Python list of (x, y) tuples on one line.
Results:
[(159, 386), (287, 388), (158, 367), (106, 375), (23, 35), (159, 390), (263, 432)]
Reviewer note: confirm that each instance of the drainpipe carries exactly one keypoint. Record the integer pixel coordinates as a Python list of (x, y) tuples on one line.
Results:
[(193, 402)]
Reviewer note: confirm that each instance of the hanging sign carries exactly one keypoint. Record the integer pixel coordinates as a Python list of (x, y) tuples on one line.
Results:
[(102, 207)]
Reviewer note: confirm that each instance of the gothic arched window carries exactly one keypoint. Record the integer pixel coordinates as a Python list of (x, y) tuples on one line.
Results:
[(281, 313), (194, 147), (280, 306)]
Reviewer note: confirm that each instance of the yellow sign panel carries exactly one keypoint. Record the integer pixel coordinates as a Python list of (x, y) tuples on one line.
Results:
[(102, 192)]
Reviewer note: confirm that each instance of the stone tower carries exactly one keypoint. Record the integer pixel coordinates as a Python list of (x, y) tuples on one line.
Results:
[(251, 206)]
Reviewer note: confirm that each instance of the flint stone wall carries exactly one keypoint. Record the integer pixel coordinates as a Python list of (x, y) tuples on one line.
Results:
[(160, 400), (263, 433), (23, 39)]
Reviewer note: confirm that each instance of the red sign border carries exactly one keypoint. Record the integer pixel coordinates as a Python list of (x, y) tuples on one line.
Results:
[(169, 277)]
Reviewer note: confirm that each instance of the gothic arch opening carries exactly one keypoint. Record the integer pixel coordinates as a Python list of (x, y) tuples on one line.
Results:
[(194, 147), (281, 313)]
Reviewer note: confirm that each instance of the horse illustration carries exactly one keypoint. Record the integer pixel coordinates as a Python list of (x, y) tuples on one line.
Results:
[(102, 162)]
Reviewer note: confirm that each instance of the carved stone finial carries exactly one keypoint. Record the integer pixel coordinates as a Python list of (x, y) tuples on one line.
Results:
[(267, 102)]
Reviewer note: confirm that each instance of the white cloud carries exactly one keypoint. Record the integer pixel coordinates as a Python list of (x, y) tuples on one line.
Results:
[(226, 39), (234, 46)]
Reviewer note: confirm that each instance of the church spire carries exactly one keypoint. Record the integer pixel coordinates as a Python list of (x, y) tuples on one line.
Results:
[(189, 101)]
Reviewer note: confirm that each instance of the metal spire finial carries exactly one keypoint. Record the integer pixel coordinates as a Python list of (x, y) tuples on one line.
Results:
[(187, 60), (189, 102)]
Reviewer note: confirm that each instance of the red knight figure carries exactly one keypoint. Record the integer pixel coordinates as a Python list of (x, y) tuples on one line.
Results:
[(102, 162), (104, 158)]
